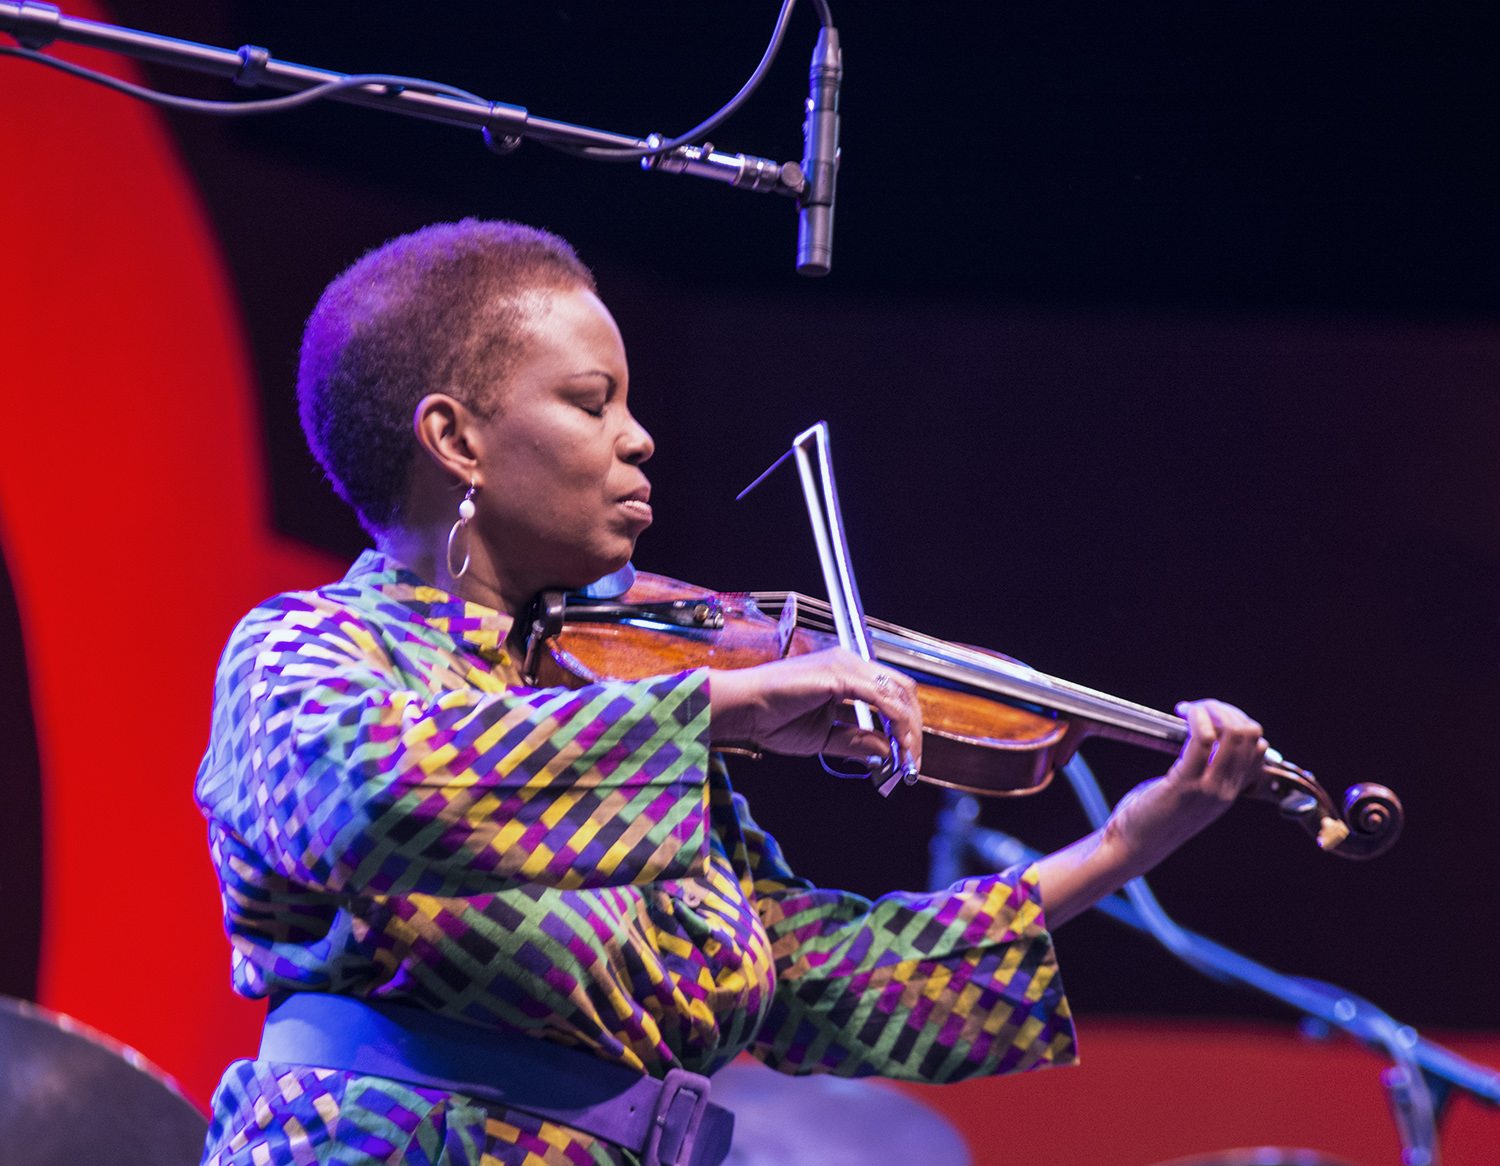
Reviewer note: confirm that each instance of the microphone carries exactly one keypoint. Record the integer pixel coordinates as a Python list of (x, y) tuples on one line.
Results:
[(820, 157)]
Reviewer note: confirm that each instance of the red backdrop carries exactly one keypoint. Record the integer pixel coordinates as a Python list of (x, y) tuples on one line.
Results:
[(133, 513), (133, 517), (1147, 1092)]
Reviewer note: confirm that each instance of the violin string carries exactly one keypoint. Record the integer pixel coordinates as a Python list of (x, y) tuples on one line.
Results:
[(811, 613)]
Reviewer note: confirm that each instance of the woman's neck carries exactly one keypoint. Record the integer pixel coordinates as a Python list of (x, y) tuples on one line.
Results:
[(425, 553)]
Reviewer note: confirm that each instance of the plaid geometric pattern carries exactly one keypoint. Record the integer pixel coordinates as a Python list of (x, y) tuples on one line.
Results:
[(294, 1114), (393, 814)]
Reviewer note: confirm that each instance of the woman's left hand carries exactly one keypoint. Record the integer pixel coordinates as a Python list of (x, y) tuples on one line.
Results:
[(1223, 756)]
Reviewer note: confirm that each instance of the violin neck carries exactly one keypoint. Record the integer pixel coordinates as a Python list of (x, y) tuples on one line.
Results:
[(1367, 824), (921, 655)]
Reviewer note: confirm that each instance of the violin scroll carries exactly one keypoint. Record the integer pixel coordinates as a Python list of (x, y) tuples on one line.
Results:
[(1375, 816), (1368, 823)]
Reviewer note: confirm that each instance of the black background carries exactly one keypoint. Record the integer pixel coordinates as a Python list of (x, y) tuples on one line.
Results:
[(1160, 351)]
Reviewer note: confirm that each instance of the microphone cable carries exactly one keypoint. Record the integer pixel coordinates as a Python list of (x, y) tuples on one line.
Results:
[(239, 108), (391, 81), (709, 124)]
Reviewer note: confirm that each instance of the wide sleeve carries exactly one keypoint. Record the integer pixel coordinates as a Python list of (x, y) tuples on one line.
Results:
[(342, 779), (921, 987)]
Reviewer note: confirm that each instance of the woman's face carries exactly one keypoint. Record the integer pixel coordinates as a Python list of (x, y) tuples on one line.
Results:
[(563, 498)]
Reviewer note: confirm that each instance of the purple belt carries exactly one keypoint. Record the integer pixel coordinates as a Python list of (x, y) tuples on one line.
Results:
[(668, 1122)]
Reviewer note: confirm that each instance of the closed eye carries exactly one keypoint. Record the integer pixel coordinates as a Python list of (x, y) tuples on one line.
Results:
[(588, 393)]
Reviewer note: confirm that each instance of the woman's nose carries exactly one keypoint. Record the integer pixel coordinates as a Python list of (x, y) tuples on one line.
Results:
[(636, 445)]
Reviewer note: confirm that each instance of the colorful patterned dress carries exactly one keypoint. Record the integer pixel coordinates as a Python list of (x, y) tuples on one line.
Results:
[(394, 815)]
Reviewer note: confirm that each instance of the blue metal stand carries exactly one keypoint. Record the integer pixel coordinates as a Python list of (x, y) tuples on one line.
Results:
[(1423, 1075)]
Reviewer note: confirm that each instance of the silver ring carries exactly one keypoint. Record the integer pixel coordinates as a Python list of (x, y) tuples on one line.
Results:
[(882, 682)]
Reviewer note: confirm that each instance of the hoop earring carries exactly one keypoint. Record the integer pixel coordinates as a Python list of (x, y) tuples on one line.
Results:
[(465, 513)]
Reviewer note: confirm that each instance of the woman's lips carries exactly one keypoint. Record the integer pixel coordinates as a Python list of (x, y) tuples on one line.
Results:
[(636, 508)]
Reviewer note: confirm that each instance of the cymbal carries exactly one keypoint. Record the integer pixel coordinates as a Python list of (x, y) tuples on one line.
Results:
[(830, 1121), (70, 1094)]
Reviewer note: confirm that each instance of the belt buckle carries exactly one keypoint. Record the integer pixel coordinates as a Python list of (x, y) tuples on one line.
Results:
[(674, 1121)]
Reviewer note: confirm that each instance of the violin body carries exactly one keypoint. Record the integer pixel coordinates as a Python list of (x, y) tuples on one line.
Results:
[(991, 726), (969, 742)]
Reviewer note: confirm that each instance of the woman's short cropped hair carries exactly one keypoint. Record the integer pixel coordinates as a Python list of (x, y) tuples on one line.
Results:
[(438, 310)]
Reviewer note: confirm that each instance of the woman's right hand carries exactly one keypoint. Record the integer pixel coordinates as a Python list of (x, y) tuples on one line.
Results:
[(795, 706)]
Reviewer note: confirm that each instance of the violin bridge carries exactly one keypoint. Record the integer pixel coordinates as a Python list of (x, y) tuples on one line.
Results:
[(786, 628)]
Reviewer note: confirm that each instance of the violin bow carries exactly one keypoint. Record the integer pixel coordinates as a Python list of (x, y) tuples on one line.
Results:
[(815, 468)]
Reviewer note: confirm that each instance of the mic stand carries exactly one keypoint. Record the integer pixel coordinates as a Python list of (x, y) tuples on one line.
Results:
[(1418, 1086), (504, 126)]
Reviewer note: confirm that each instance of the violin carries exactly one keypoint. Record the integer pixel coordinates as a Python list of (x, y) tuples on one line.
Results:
[(991, 725)]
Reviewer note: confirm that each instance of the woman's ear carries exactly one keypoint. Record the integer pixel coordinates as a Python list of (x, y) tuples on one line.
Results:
[(443, 426)]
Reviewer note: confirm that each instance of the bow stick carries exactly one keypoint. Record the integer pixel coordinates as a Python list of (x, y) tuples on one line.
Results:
[(815, 468)]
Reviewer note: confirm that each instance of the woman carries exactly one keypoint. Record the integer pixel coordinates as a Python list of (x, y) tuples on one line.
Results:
[(512, 924)]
